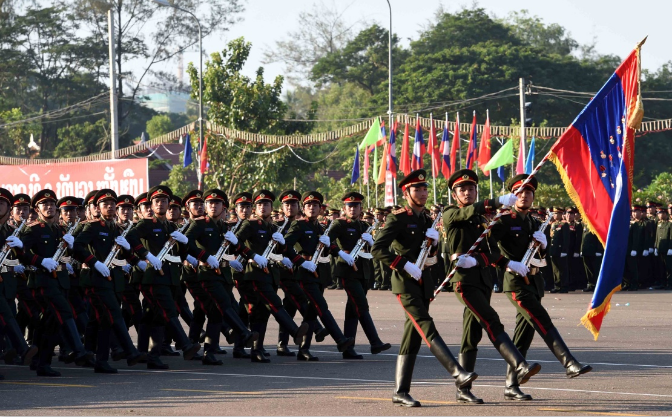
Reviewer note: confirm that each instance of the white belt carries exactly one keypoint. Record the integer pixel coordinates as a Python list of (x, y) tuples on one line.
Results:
[(431, 261), (229, 258), (365, 255), (10, 262), (276, 257), (324, 259), (65, 259), (119, 262), (173, 259)]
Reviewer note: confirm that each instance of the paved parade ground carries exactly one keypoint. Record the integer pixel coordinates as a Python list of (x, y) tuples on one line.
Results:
[(632, 372)]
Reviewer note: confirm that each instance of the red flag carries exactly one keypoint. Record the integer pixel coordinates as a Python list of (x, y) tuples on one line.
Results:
[(455, 146), (520, 166), (204, 156), (405, 163), (484, 153), (434, 149)]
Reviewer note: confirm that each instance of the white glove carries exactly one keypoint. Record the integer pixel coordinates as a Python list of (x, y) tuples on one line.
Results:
[(192, 261), (434, 235), (179, 237), (413, 270), (655, 252), (100, 267), (464, 261), (633, 253), (156, 263), (142, 265), (346, 257), (261, 261), (49, 264), (286, 262), (277, 236), (519, 268), (69, 239), (598, 254), (121, 241), (367, 238), (126, 268), (669, 252), (212, 262), (508, 199), (650, 250), (19, 269), (14, 242), (576, 255), (324, 239), (645, 253), (231, 237), (237, 266), (562, 255), (309, 265), (541, 238), (70, 270)]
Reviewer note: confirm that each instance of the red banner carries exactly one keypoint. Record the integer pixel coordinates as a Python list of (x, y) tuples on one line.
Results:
[(124, 176)]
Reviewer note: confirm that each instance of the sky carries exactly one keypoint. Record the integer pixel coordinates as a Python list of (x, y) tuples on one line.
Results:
[(615, 25)]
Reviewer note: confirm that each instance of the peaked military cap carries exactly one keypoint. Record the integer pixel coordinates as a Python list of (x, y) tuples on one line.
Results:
[(416, 178), (462, 177), (104, 194), (193, 195), (513, 184), (125, 200), (243, 198), (175, 201), (352, 197), (89, 197), (636, 207), (572, 210), (334, 211), (141, 199), (217, 195), (312, 197), (263, 195), (379, 210), (68, 201), (43, 195), (159, 191), (289, 195), (368, 215), (21, 200), (6, 195)]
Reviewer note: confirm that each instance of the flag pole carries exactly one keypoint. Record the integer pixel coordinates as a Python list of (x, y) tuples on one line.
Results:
[(450, 196), (431, 155), (459, 142), (487, 115)]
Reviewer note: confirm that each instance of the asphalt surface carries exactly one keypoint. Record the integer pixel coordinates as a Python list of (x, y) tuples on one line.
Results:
[(632, 374)]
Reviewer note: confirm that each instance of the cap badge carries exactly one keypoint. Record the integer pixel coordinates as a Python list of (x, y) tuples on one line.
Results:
[(352, 198), (47, 195), (421, 177), (213, 195), (68, 202), (465, 177)]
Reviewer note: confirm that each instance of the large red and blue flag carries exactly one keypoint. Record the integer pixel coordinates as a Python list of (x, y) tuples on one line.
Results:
[(392, 162), (454, 148), (446, 167), (418, 147), (471, 151), (433, 150), (595, 158), (405, 165)]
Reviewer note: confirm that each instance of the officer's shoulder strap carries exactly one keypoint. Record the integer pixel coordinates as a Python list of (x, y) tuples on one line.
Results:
[(399, 210)]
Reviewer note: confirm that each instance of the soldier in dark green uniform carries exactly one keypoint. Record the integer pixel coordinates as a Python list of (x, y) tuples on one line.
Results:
[(50, 283), (575, 265), (652, 265), (243, 211), (160, 278), (94, 243), (472, 283), (380, 273), (28, 311), (559, 251), (301, 242), (143, 210), (525, 287), (255, 236), (206, 236), (398, 246), (638, 246), (664, 245), (344, 235), (591, 251)]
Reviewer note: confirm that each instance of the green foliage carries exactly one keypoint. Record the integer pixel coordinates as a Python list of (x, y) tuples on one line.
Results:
[(82, 139), (659, 190), (179, 179), (14, 139), (552, 38), (159, 125)]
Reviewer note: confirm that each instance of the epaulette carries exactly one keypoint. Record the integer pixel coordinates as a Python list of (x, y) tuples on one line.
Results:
[(34, 223), (155, 220), (88, 221), (399, 211), (505, 212)]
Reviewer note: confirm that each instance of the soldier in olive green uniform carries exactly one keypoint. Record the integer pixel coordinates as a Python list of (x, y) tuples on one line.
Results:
[(301, 243), (147, 238), (243, 211), (254, 237), (574, 263), (398, 246), (638, 246), (378, 269), (592, 251), (525, 287), (28, 311), (472, 283), (94, 243), (559, 251), (344, 235), (50, 283), (206, 236), (664, 245)]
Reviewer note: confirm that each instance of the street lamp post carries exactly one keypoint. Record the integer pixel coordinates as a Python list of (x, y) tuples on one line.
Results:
[(166, 3)]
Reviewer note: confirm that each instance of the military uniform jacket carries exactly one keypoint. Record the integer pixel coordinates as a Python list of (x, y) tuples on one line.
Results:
[(638, 239), (575, 236), (463, 226), (400, 241), (559, 238), (40, 241), (590, 244), (205, 238), (149, 235), (652, 224), (513, 233), (283, 273), (301, 241), (663, 237), (253, 238), (93, 243), (8, 285), (344, 235)]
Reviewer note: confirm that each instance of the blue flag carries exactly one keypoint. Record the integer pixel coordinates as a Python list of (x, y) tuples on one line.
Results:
[(529, 163), (501, 173), (355, 168), (187, 151)]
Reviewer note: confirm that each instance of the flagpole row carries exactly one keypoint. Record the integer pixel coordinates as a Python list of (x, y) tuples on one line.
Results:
[(487, 229)]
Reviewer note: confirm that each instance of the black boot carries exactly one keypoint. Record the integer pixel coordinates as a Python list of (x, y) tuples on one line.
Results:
[(439, 349), (143, 337), (16, 337), (212, 331), (464, 394), (257, 353), (101, 364), (228, 333), (342, 342), (513, 357), (371, 333), (156, 333), (350, 330), (287, 322), (320, 332), (402, 381), (572, 367), (304, 349), (189, 349), (103, 367), (79, 355), (512, 391), (47, 343), (239, 348), (282, 348), (233, 320), (132, 355)]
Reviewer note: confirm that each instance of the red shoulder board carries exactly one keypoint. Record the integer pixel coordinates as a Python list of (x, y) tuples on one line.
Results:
[(259, 221), (399, 211), (102, 223), (409, 211), (207, 219), (154, 219), (505, 213), (35, 223)]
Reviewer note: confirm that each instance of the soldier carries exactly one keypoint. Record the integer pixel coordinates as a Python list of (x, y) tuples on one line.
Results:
[(524, 287), (206, 236), (41, 240), (398, 246), (664, 245), (472, 282), (161, 277), (638, 245), (344, 235), (591, 251), (331, 281), (8, 324), (143, 210), (656, 266), (301, 244), (243, 211), (380, 273), (576, 269), (560, 241), (95, 242), (255, 237)]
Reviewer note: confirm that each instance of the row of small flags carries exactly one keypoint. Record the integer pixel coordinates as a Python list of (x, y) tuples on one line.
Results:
[(188, 154)]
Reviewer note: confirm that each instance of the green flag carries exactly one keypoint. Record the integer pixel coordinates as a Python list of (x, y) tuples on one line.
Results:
[(504, 156), (372, 135)]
